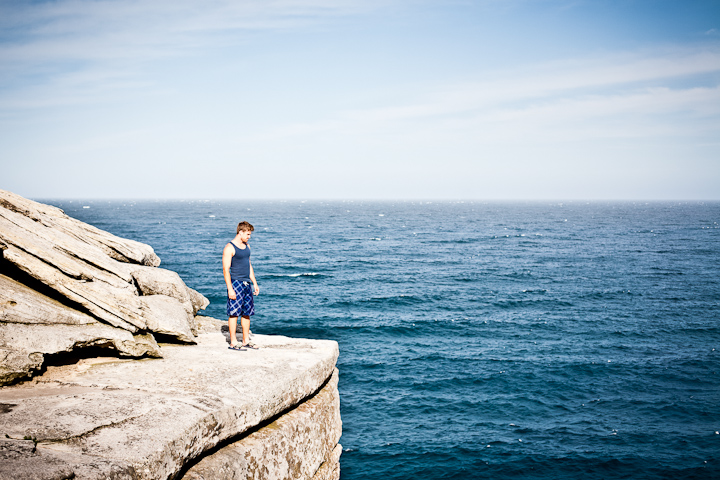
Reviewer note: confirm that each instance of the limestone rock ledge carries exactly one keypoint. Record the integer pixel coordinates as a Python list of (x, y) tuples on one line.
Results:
[(154, 418), (302, 443), (67, 286)]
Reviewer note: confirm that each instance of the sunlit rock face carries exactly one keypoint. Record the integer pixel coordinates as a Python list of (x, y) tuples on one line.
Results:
[(120, 406), (301, 444), (66, 285), (156, 418)]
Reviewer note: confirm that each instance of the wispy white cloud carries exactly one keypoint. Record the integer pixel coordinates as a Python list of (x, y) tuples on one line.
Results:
[(67, 50), (628, 95), (102, 30)]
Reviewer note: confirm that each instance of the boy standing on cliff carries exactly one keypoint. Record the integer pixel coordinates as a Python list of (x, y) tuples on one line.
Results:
[(239, 273)]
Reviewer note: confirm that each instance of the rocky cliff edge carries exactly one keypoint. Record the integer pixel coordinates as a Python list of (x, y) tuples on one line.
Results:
[(200, 412), (86, 391)]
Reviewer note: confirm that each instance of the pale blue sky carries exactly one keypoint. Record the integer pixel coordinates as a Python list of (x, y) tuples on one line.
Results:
[(372, 99)]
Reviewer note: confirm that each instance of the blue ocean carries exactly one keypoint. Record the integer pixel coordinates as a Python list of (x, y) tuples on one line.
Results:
[(489, 340)]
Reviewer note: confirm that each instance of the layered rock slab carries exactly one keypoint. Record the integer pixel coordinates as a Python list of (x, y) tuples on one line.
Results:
[(295, 446), (120, 249), (55, 250), (33, 325), (77, 274), (145, 419)]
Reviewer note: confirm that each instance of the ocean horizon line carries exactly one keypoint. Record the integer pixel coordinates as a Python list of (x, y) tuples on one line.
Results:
[(384, 200)]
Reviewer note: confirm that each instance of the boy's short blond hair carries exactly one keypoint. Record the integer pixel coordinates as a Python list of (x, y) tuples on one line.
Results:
[(245, 226)]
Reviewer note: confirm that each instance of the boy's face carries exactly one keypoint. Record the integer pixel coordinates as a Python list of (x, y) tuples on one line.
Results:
[(245, 235)]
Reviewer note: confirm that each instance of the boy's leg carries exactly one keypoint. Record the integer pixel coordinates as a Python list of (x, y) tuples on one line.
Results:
[(245, 323), (232, 325)]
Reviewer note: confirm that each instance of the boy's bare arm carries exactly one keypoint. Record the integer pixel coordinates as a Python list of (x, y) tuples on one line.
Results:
[(252, 277), (228, 253)]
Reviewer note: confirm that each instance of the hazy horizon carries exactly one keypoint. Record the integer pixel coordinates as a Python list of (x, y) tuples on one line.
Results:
[(559, 201)]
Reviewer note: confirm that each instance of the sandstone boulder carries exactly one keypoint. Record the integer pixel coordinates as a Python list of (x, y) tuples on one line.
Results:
[(84, 288), (21, 304), (33, 325), (159, 281), (44, 255), (121, 249), (198, 300), (166, 316)]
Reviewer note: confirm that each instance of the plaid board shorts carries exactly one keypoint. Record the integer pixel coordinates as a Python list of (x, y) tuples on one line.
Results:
[(243, 305)]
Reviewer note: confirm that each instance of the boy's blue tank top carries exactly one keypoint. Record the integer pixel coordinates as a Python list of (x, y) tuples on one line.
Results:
[(240, 264)]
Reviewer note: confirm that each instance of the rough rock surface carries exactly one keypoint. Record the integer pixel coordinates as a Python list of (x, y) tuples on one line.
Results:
[(158, 281), (120, 249), (145, 419), (166, 316), (294, 446), (27, 463), (330, 469), (33, 326), (83, 287)]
